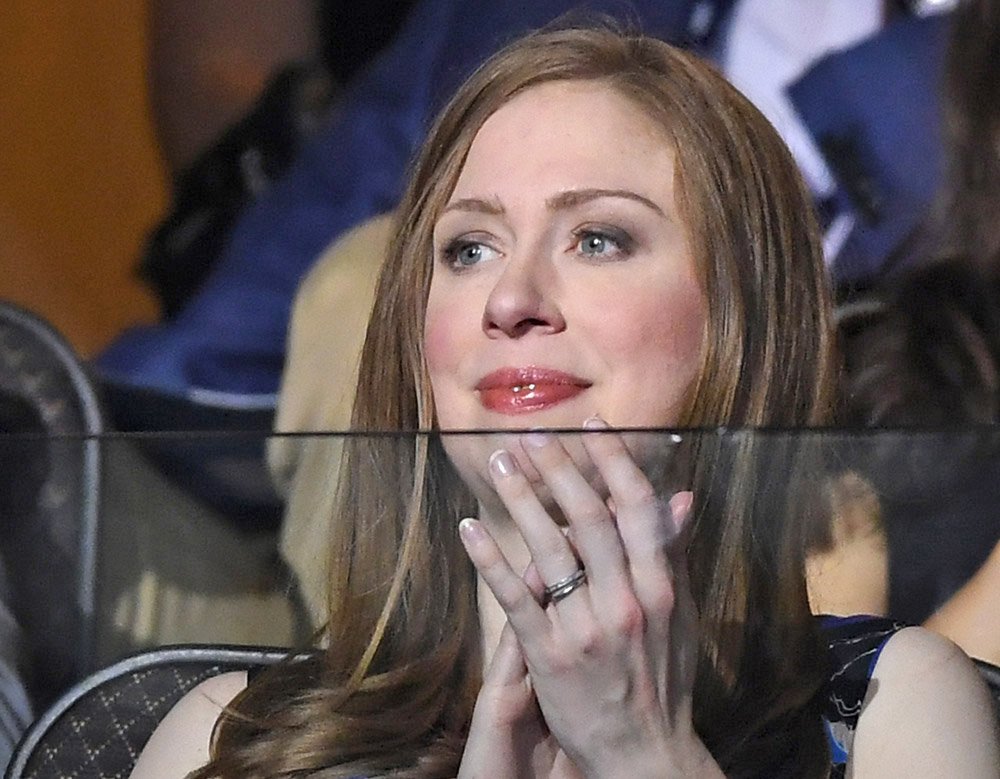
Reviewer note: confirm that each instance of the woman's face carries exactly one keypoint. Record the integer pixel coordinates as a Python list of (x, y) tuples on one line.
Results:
[(563, 285)]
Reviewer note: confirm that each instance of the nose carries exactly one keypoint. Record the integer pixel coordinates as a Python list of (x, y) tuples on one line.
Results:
[(523, 301)]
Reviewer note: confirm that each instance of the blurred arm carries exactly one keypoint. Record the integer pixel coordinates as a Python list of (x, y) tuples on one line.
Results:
[(211, 59)]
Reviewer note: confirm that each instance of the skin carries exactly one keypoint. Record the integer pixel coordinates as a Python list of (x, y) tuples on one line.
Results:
[(535, 267), (600, 683)]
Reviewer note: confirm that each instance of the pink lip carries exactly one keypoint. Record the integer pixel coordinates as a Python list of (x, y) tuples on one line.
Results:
[(522, 390)]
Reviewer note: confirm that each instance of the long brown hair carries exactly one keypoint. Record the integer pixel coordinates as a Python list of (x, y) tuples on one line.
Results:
[(393, 691)]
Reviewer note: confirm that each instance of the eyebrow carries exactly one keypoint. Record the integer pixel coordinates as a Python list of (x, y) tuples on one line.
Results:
[(563, 200), (477, 205), (576, 197)]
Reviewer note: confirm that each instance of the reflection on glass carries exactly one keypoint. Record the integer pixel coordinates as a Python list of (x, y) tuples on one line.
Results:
[(902, 518), (886, 522)]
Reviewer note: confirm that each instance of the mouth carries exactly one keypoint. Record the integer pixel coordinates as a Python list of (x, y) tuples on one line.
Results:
[(524, 390)]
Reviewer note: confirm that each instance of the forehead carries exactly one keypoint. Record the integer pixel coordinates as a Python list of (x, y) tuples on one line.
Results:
[(568, 134)]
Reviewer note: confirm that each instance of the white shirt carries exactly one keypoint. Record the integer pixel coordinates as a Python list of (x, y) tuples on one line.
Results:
[(770, 43)]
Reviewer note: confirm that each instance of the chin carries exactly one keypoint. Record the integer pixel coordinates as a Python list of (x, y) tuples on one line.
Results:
[(562, 416)]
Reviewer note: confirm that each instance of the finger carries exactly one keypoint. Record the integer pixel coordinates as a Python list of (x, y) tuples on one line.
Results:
[(534, 581), (595, 536), (684, 617), (631, 492), (505, 704), (551, 552), (681, 509), (507, 664), (514, 596), (644, 520)]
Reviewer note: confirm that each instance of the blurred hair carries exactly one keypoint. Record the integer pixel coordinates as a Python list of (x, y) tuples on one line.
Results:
[(970, 197), (923, 346)]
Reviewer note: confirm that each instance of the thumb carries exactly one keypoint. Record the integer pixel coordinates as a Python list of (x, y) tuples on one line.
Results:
[(507, 665)]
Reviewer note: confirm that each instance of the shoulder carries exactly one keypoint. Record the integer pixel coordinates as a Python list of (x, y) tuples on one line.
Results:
[(927, 712), (180, 743)]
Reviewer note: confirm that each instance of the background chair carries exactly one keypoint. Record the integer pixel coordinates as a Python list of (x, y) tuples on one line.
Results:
[(49, 502), (99, 727)]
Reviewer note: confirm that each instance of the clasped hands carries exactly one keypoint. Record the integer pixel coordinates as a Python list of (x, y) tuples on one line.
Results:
[(597, 679)]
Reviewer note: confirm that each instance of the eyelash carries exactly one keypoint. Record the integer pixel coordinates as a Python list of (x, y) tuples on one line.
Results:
[(619, 238), (623, 243), (449, 254)]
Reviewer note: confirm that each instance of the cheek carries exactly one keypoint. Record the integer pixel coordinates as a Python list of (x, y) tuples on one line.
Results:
[(654, 351), (438, 347), (661, 332), (443, 350)]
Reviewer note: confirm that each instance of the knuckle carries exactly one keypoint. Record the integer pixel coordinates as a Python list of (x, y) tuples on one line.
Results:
[(559, 660), (663, 599), (518, 489), (555, 548), (642, 495), (492, 564), (630, 619), (592, 514), (589, 640), (519, 599)]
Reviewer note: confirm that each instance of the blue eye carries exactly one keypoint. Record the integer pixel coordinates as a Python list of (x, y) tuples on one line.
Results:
[(594, 244), (465, 254), (603, 243), (469, 254)]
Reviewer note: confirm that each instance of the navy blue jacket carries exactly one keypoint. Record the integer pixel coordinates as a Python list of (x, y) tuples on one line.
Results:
[(226, 348)]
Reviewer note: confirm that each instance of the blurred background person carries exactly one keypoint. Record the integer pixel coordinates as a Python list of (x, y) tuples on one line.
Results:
[(922, 350), (224, 344)]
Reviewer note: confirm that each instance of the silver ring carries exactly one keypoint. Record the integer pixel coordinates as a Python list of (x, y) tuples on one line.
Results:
[(562, 588)]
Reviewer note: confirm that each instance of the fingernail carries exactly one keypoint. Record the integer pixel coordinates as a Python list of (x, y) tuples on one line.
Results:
[(501, 463), (470, 530), (537, 439), (680, 509), (595, 423)]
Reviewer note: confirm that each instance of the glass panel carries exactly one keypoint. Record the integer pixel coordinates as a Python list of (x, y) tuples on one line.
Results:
[(127, 541)]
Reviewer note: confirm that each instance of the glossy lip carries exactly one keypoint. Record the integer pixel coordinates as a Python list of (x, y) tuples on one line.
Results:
[(523, 390)]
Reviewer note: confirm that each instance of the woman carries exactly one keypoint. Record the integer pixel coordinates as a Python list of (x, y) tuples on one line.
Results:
[(599, 230)]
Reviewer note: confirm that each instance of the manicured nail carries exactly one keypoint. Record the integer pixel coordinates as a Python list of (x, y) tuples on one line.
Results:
[(501, 463), (537, 439), (471, 530), (595, 423), (680, 509)]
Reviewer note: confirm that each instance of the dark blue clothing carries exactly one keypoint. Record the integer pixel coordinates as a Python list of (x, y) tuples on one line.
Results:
[(874, 110), (854, 645), (226, 348)]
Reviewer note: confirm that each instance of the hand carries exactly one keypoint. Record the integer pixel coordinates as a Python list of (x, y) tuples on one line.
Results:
[(612, 663), (508, 736)]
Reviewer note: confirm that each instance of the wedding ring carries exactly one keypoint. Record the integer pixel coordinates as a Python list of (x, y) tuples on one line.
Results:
[(562, 588)]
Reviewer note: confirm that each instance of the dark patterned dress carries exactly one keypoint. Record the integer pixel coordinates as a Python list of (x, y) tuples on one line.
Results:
[(855, 644)]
